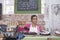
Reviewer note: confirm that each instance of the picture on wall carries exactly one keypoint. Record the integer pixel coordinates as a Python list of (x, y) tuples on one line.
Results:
[(56, 9), (27, 6)]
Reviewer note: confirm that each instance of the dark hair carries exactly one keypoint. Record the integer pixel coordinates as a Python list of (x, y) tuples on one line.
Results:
[(33, 16)]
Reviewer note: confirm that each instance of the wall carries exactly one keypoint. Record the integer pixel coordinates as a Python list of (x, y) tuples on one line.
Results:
[(8, 7), (51, 10), (12, 20), (0, 1), (51, 20), (55, 18)]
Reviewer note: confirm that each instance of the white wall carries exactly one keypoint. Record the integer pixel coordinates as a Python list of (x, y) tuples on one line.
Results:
[(52, 21), (55, 18), (8, 7), (0, 1)]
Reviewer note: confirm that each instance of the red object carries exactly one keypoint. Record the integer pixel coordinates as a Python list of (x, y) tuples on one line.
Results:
[(19, 29)]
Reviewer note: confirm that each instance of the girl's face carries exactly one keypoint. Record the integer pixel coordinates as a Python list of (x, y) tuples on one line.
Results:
[(34, 20)]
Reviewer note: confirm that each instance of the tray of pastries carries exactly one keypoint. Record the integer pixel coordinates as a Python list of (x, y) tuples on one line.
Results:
[(30, 33)]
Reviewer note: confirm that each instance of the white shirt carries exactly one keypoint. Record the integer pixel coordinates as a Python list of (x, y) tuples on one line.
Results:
[(33, 29)]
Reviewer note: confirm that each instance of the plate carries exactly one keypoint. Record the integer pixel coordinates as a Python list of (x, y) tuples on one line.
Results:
[(45, 32), (57, 32)]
